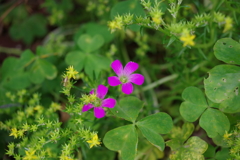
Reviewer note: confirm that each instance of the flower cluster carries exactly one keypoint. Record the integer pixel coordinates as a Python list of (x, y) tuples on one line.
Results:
[(125, 77)]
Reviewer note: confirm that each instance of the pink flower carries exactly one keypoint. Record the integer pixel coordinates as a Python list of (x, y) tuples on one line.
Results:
[(98, 101), (125, 76)]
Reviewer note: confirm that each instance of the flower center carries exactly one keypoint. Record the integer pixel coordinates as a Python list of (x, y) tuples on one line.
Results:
[(124, 79), (97, 102)]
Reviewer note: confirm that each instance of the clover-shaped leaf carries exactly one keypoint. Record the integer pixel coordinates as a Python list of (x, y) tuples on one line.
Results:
[(194, 105), (12, 76), (194, 148), (124, 140), (128, 108), (90, 44), (211, 120), (26, 58), (152, 125), (227, 50), (214, 122), (92, 63), (42, 69), (179, 135), (222, 86)]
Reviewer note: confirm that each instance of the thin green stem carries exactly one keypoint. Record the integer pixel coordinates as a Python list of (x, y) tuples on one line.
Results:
[(7, 50), (160, 81)]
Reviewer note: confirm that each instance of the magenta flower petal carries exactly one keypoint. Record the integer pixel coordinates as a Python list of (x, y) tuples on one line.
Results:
[(109, 102), (130, 68), (87, 107), (113, 81), (99, 112), (92, 91), (101, 91), (136, 79), (127, 88), (117, 67)]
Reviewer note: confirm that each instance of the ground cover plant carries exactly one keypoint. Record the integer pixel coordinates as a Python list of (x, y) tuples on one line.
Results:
[(119, 79)]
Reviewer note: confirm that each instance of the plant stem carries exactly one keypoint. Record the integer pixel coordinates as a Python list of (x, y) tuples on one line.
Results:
[(160, 81), (7, 50)]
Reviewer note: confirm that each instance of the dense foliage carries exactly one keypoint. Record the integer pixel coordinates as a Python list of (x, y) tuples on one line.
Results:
[(114, 79)]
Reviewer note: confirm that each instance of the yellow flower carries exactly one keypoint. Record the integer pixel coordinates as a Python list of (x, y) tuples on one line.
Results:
[(94, 141), (156, 19), (14, 132), (228, 24), (71, 72), (187, 39), (227, 135), (30, 155)]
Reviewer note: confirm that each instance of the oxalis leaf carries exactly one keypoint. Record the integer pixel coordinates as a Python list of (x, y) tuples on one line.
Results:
[(227, 50), (92, 63), (194, 105), (152, 125), (222, 86), (192, 149), (212, 120), (90, 44), (128, 108), (124, 140)]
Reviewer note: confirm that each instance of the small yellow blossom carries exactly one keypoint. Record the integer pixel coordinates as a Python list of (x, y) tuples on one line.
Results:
[(94, 141), (30, 155), (228, 24), (187, 39), (227, 135), (55, 106), (71, 72), (157, 20), (14, 132)]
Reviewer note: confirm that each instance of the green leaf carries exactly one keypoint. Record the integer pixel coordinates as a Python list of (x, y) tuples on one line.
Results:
[(194, 105), (90, 44), (92, 63), (77, 59), (124, 140), (179, 136), (214, 122), (152, 125), (35, 74), (13, 77), (187, 130), (30, 28), (47, 69), (93, 29), (8, 66), (95, 64), (16, 80), (42, 69), (174, 144), (26, 58), (223, 154), (222, 86), (194, 148), (128, 108), (227, 50)]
